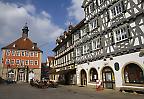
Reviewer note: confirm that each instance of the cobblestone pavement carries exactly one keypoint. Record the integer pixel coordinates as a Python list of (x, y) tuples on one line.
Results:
[(25, 91)]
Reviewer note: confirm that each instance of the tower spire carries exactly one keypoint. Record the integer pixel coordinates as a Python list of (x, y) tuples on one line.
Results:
[(25, 31)]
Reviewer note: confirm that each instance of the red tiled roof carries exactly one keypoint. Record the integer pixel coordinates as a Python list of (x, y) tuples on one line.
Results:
[(22, 44)]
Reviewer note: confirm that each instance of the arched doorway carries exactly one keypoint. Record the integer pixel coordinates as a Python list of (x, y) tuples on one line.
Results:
[(93, 75), (83, 78), (133, 74), (108, 78)]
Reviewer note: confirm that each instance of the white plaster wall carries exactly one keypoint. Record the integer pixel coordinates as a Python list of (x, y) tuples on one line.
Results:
[(123, 60)]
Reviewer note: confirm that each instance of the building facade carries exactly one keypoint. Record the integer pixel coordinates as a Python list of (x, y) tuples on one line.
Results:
[(111, 48), (64, 63), (21, 59), (51, 64)]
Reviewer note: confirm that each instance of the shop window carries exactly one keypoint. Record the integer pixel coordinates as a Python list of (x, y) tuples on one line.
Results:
[(133, 74), (93, 75)]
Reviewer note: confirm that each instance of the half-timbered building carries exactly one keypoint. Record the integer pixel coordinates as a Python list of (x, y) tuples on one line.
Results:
[(111, 48), (65, 72)]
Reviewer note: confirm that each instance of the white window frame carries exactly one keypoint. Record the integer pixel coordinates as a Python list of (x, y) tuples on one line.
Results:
[(36, 62), (92, 7), (85, 48), (7, 61), (100, 1), (96, 43), (17, 53), (22, 62), (17, 61), (93, 24), (22, 53), (31, 62), (36, 54), (32, 54), (8, 52), (78, 53), (116, 9), (12, 61), (27, 53), (121, 32), (13, 52), (27, 62)]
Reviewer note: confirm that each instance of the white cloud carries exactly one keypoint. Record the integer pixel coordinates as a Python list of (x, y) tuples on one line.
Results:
[(75, 11), (13, 17)]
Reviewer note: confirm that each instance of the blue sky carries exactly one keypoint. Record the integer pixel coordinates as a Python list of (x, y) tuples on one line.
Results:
[(47, 19)]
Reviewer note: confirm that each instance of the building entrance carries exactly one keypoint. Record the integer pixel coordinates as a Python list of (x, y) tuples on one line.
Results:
[(108, 78), (83, 78)]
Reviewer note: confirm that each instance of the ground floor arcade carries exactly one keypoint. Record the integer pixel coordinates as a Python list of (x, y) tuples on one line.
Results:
[(121, 71)]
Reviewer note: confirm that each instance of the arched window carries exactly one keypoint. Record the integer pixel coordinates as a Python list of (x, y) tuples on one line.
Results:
[(93, 75), (133, 74)]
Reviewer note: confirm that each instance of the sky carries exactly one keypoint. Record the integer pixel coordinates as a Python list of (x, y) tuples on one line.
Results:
[(46, 19)]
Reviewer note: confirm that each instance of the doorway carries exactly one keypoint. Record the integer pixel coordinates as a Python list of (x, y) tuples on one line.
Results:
[(108, 78), (83, 78)]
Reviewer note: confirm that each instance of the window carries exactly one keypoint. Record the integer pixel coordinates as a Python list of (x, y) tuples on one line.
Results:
[(13, 53), (12, 61), (87, 10), (92, 7), (93, 24), (121, 33), (31, 54), (22, 62), (18, 53), (90, 46), (26, 53), (83, 31), (84, 49), (7, 61), (22, 53), (17, 61), (93, 75), (36, 62), (31, 62), (101, 1), (96, 43), (133, 74), (27, 62), (36, 54), (78, 52), (7, 52), (77, 35), (117, 9)]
